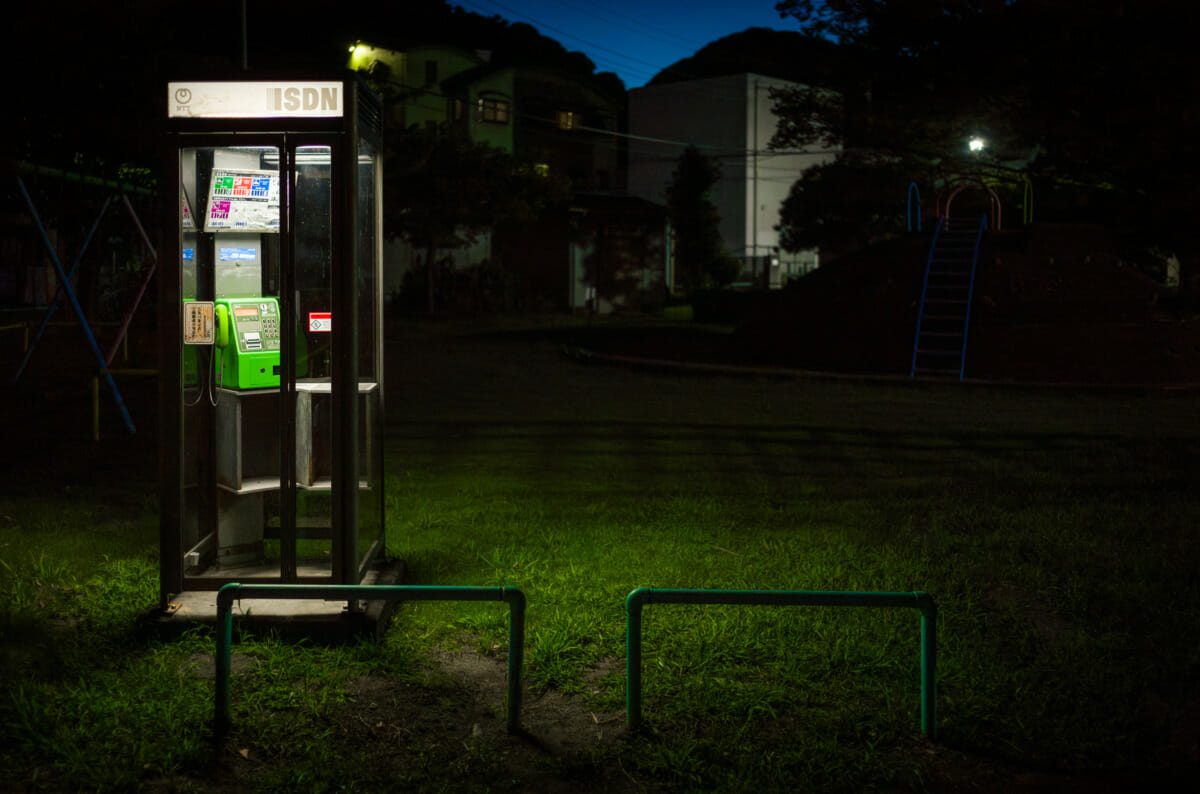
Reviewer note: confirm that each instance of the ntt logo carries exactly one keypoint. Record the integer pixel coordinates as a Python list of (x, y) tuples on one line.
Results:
[(294, 99)]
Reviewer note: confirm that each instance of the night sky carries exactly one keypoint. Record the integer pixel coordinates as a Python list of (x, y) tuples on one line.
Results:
[(634, 39)]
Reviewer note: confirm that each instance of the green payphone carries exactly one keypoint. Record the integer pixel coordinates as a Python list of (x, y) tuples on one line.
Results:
[(247, 340)]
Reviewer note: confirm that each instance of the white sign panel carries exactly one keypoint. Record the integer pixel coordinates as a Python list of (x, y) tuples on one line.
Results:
[(256, 100)]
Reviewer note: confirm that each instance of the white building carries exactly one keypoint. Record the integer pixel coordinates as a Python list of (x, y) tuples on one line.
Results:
[(731, 120)]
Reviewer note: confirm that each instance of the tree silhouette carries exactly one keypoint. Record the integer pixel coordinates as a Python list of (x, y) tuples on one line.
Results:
[(443, 190), (1093, 102), (701, 260)]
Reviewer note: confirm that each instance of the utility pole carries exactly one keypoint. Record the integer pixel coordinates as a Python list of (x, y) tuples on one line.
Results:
[(245, 61)]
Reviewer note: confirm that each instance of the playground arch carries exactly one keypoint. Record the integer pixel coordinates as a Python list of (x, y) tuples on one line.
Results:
[(991, 200)]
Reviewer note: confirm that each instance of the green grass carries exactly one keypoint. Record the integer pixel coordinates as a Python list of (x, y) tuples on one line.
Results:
[(1048, 543), (1055, 531)]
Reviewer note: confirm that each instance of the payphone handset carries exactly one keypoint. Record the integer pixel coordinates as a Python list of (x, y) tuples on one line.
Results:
[(221, 326), (247, 336)]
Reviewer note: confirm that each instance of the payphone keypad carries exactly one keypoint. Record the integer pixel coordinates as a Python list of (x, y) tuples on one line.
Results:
[(270, 321)]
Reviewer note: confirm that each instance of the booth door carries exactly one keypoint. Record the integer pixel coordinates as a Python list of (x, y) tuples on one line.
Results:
[(257, 266)]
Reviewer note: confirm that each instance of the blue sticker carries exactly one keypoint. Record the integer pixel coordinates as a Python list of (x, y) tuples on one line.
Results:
[(239, 254)]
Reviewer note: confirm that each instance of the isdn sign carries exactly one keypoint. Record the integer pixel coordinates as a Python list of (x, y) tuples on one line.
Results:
[(294, 98)]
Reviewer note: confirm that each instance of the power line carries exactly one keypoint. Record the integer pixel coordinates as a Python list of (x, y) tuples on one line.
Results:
[(644, 70), (723, 150), (649, 31)]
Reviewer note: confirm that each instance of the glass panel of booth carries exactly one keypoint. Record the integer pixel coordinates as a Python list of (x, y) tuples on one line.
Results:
[(370, 352), (313, 264), (236, 522), (230, 219)]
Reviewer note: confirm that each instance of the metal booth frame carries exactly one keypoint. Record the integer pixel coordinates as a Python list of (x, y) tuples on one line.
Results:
[(351, 137)]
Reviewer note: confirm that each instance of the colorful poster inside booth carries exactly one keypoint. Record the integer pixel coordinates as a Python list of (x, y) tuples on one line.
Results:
[(243, 200)]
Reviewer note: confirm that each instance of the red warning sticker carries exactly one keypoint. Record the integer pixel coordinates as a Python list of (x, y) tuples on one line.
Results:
[(320, 322)]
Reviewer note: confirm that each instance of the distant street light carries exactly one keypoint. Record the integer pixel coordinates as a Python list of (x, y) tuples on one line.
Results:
[(976, 144)]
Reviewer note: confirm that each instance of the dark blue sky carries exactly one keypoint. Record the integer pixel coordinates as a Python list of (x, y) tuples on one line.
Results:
[(634, 39)]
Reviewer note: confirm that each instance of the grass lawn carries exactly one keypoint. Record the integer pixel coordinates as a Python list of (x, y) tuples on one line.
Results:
[(1055, 529)]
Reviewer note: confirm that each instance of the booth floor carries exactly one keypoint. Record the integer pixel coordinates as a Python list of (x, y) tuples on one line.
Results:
[(309, 617)]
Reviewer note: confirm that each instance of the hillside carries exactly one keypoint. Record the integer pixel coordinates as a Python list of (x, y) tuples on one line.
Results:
[(786, 54)]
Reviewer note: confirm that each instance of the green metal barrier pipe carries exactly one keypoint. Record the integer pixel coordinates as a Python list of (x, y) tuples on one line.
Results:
[(234, 591), (644, 596)]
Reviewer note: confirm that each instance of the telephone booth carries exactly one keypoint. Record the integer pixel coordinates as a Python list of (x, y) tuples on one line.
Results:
[(271, 382)]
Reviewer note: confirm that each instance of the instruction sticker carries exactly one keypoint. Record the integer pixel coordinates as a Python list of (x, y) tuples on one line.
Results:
[(320, 322), (198, 322)]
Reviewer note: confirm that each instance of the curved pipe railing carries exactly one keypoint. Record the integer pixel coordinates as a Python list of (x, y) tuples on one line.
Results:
[(962, 363), (912, 188), (234, 591), (993, 202), (644, 596), (1027, 201), (942, 223)]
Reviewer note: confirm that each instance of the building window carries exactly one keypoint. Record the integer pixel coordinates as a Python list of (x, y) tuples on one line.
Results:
[(431, 73), (493, 110), (566, 120)]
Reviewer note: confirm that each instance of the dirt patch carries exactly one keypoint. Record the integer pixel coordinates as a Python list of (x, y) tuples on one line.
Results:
[(441, 727), (1050, 628), (563, 745), (204, 665), (444, 727), (553, 722)]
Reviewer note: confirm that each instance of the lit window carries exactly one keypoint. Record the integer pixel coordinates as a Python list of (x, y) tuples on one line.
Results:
[(493, 110), (566, 120)]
